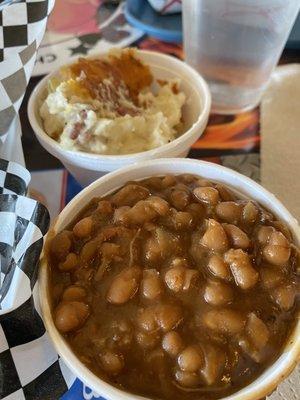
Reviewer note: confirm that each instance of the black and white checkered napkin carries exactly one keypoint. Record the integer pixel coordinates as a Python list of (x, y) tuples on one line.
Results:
[(22, 27), (30, 368), (23, 224)]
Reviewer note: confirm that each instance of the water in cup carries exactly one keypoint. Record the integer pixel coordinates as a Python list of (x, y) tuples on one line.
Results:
[(235, 45)]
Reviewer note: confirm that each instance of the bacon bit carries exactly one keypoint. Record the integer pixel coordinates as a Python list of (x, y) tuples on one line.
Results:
[(122, 110), (162, 82), (78, 126), (174, 88)]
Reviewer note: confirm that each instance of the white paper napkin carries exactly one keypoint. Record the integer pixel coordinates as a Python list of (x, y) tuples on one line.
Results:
[(280, 137), (280, 163)]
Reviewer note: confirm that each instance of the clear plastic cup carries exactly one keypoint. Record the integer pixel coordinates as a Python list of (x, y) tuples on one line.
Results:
[(235, 45)]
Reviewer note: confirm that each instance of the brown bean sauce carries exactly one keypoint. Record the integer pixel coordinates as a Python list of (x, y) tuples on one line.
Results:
[(175, 288)]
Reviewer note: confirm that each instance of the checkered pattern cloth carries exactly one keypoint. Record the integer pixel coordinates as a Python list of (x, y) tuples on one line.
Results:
[(30, 368), (22, 27)]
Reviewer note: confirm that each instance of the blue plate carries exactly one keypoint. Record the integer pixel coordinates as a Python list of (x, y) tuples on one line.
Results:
[(141, 15)]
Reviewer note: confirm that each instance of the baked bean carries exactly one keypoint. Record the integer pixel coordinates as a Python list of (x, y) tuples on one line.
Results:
[(172, 343), (278, 239), (147, 340), (208, 195), (151, 285), (276, 255), (190, 276), (168, 180), (152, 250), (197, 250), (282, 227), (120, 214), (224, 321), (188, 178), (284, 296), (179, 262), (218, 293), (276, 249), (229, 211), (180, 278), (257, 331), (266, 217), (187, 379), (104, 207), (149, 226), (61, 245), (168, 316), (130, 195), (70, 263), (202, 182), (241, 267), (225, 193), (264, 234), (247, 347), (160, 245), (110, 251), (83, 228), (215, 237), (179, 198), (197, 210), (183, 220), (238, 238), (174, 279), (124, 286), (88, 252), (219, 268), (146, 319), (214, 363), (270, 277), (190, 359), (139, 214), (255, 338), (74, 293), (249, 213), (111, 362), (146, 210), (155, 182), (70, 315), (160, 205)]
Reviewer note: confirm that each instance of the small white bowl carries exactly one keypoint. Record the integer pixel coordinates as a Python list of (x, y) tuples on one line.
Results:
[(277, 372), (87, 167)]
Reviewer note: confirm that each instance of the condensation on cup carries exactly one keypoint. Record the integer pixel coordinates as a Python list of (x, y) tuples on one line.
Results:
[(235, 45)]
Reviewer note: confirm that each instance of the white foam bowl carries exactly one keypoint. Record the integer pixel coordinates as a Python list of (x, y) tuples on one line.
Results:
[(87, 167), (265, 383)]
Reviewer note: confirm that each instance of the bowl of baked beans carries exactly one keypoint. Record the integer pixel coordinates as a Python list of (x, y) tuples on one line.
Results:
[(174, 279)]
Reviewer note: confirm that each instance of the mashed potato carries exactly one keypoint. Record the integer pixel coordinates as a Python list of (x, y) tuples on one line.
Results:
[(94, 108)]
